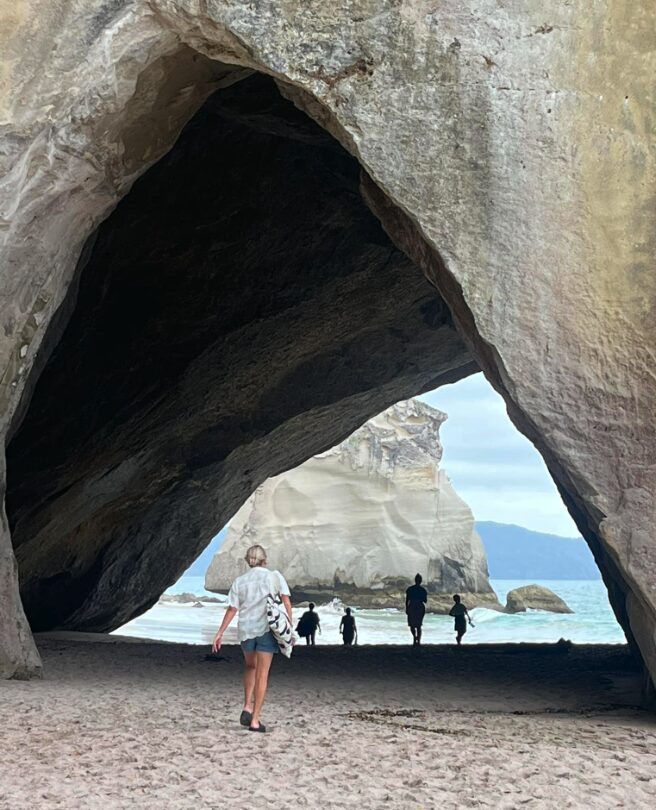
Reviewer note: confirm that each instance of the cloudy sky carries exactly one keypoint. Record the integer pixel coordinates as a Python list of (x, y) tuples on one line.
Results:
[(492, 466)]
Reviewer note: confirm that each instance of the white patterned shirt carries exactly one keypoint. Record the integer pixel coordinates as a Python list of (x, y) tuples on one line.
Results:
[(248, 595)]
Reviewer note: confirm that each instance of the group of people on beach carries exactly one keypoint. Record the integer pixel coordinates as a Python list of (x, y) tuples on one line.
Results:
[(250, 598), (416, 597), (309, 623)]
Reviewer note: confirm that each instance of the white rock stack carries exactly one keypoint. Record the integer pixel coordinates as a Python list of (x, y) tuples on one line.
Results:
[(360, 520)]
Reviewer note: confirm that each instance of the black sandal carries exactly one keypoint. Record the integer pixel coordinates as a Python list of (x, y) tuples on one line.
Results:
[(261, 728), (245, 718)]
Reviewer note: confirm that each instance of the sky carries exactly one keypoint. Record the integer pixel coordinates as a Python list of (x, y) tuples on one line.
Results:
[(492, 466)]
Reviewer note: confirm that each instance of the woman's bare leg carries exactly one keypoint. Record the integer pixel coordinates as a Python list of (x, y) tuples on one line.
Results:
[(249, 680), (262, 666)]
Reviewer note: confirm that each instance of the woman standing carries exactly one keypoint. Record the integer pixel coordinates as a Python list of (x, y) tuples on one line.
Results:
[(415, 607), (247, 597), (347, 628)]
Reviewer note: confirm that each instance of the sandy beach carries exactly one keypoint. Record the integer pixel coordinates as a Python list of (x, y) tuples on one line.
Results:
[(123, 724)]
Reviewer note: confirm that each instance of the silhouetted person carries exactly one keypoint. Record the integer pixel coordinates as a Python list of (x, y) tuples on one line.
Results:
[(347, 628), (415, 601), (308, 625), (461, 616)]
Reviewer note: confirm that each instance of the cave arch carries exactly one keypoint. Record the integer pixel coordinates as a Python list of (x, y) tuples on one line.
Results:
[(240, 308), (452, 161)]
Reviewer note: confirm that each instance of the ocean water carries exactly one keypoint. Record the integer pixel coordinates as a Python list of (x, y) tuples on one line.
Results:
[(592, 622)]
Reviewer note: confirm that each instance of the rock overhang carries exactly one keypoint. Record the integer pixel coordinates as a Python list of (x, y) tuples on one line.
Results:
[(237, 297)]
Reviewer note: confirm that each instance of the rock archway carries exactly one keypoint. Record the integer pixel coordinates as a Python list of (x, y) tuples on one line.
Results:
[(241, 306), (506, 155)]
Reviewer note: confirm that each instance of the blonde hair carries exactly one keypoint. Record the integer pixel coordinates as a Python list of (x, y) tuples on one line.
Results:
[(255, 555)]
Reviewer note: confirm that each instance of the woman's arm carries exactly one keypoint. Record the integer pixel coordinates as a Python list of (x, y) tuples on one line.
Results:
[(287, 602), (228, 616)]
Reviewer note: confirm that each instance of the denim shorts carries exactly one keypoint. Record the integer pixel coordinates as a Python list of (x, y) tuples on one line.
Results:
[(265, 643)]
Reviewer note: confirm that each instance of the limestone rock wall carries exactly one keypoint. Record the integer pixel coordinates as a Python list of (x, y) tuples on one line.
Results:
[(360, 520), (510, 152)]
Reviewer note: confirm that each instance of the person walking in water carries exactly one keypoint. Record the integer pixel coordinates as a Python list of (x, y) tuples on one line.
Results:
[(459, 612), (415, 607), (347, 628), (308, 625), (248, 598)]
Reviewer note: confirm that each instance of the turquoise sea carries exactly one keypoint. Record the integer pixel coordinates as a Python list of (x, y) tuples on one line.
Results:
[(592, 622)]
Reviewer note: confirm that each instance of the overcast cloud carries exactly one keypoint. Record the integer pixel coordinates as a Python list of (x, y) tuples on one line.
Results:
[(492, 466)]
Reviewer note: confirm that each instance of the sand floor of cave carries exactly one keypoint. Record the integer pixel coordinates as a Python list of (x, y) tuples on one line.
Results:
[(131, 724)]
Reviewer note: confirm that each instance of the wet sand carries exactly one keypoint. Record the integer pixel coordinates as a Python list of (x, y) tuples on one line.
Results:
[(124, 724)]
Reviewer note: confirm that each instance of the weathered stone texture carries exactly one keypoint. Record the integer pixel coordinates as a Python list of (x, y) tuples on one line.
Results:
[(516, 139), (18, 654)]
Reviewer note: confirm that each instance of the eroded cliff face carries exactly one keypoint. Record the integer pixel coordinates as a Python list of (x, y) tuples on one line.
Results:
[(241, 305), (360, 520), (509, 148)]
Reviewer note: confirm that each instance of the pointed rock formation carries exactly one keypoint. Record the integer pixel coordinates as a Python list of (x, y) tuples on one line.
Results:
[(360, 520)]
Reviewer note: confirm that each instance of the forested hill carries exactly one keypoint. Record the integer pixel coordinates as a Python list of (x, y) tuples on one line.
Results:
[(517, 553)]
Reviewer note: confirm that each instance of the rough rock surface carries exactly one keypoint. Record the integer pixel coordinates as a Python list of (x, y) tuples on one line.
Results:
[(18, 654), (360, 520), (535, 597), (510, 152)]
